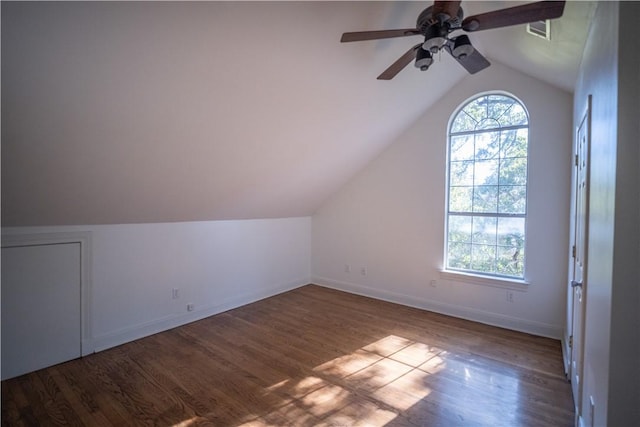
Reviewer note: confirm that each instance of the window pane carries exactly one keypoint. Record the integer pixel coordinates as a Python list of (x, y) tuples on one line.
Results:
[(498, 106), (513, 171), (459, 229), (513, 200), (459, 256), (484, 230), (461, 173), (511, 232), (460, 199), (463, 122), (477, 109), (514, 143), (462, 148), (510, 261), (485, 199), (487, 145), (517, 116), (483, 258), (486, 172)]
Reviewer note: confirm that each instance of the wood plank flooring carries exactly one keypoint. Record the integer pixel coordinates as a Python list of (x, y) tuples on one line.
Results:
[(308, 357)]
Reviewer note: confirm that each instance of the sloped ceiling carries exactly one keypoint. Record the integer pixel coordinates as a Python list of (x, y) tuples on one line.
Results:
[(156, 112)]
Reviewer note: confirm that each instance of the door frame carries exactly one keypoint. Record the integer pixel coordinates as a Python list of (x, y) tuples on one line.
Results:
[(18, 238)]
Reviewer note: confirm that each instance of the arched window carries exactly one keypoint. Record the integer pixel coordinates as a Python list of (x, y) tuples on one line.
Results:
[(487, 187)]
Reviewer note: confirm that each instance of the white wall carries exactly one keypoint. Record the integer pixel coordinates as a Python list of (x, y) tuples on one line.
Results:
[(390, 217), (610, 71), (624, 389), (155, 107), (216, 265), (598, 77)]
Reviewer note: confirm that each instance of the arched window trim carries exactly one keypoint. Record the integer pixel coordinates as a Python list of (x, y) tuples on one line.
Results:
[(469, 100), (496, 276)]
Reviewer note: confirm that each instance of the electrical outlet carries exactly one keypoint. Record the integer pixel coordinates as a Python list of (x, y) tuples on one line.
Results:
[(175, 293), (509, 296), (433, 283), (363, 271), (347, 268), (190, 307)]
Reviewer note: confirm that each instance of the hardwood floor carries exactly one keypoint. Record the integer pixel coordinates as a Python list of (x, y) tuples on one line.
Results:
[(311, 356)]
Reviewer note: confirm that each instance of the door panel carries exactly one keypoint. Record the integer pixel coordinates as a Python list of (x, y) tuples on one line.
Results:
[(578, 281), (41, 299)]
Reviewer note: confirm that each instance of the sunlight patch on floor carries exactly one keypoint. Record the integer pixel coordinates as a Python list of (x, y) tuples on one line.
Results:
[(416, 354), (360, 414), (378, 375), (393, 371), (325, 400), (195, 421), (388, 345), (348, 364), (374, 384)]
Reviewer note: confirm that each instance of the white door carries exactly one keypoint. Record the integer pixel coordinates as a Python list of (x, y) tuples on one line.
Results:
[(578, 280), (41, 291)]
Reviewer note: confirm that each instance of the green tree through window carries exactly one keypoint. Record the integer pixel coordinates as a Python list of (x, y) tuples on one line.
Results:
[(487, 187)]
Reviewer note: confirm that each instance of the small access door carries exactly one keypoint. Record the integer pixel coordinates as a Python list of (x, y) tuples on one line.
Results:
[(41, 300)]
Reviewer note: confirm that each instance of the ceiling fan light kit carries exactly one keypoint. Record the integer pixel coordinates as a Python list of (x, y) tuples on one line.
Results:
[(438, 21), (462, 47), (435, 39), (424, 59)]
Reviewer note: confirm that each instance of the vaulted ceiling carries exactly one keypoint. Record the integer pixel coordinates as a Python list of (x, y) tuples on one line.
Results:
[(123, 112)]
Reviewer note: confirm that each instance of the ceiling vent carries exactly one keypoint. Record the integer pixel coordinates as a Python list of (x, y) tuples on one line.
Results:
[(540, 29)]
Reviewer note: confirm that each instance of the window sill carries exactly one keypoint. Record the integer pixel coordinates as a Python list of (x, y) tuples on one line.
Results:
[(496, 282)]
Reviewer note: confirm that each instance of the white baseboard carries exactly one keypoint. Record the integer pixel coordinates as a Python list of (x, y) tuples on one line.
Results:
[(481, 316), (142, 330), (135, 332)]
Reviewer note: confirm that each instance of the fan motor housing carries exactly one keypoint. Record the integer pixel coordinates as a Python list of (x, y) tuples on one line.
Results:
[(426, 20)]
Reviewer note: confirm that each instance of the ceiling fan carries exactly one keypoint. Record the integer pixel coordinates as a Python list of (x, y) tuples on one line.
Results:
[(437, 22)]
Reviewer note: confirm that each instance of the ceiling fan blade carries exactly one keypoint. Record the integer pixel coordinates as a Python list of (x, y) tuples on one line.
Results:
[(472, 62), (532, 12), (449, 8), (376, 35), (402, 62)]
